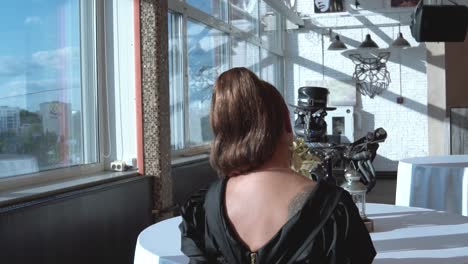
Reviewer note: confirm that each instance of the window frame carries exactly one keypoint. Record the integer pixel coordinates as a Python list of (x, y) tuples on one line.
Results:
[(177, 64), (186, 11)]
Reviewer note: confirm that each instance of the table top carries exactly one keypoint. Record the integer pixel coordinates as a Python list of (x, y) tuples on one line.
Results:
[(402, 235), (447, 160), (417, 235)]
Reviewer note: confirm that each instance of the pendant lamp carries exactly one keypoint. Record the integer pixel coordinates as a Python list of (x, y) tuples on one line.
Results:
[(400, 42), (368, 43), (337, 44)]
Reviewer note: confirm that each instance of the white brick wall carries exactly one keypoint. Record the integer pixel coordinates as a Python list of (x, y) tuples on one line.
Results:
[(307, 59)]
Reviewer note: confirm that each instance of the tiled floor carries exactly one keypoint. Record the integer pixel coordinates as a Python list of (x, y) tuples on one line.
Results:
[(383, 192)]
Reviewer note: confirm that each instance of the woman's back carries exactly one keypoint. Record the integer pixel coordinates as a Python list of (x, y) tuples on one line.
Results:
[(326, 230), (259, 203)]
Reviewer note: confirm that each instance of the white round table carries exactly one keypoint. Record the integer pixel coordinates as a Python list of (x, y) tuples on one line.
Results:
[(434, 182), (402, 235)]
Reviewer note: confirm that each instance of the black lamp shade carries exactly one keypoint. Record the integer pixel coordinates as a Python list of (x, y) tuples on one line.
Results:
[(368, 43), (337, 44), (400, 42)]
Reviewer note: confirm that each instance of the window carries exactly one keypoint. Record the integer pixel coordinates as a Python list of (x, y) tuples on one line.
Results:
[(215, 8), (244, 15), (272, 68), (52, 100), (207, 58), (245, 54), (42, 109), (203, 43), (270, 27)]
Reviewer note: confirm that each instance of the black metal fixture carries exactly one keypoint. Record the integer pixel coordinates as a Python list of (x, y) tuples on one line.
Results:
[(368, 43), (400, 41), (337, 44), (371, 74), (357, 4)]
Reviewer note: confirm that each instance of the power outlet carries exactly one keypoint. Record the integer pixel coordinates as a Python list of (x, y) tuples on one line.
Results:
[(118, 165), (399, 100)]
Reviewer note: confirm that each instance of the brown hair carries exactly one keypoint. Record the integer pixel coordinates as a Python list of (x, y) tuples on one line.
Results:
[(248, 116)]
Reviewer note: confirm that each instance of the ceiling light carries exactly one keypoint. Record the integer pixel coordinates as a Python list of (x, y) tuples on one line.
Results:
[(337, 44), (368, 43), (400, 41)]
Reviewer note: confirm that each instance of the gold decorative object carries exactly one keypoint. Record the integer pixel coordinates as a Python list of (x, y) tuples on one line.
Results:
[(302, 161)]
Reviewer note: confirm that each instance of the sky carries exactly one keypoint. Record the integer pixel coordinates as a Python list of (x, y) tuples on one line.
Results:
[(39, 53)]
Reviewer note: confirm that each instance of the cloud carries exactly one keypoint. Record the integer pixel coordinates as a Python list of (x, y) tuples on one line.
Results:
[(32, 20), (41, 61), (12, 66), (21, 87), (56, 59)]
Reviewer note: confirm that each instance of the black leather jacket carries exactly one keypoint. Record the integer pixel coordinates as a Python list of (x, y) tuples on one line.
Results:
[(328, 229)]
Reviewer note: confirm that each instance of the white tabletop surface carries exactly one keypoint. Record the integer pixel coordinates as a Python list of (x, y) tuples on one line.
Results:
[(434, 160), (434, 182), (402, 235)]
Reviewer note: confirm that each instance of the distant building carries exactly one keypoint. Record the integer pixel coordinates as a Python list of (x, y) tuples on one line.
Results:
[(9, 118), (24, 129), (56, 118)]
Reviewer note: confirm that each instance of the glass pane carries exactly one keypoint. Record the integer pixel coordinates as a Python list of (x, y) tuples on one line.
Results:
[(207, 58), (216, 8), (272, 69), (245, 54), (40, 76), (244, 15), (270, 26), (176, 81)]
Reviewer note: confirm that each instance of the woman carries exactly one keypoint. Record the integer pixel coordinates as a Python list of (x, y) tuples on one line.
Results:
[(261, 211)]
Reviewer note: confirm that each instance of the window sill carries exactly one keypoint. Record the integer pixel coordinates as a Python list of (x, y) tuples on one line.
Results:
[(190, 155), (29, 193), (180, 161)]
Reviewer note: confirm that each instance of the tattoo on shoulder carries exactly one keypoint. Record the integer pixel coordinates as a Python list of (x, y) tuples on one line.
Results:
[(298, 201)]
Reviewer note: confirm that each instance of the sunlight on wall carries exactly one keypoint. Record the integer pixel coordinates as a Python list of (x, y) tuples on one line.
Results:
[(309, 61)]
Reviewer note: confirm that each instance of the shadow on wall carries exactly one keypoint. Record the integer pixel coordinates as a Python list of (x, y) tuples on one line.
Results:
[(317, 64), (364, 121), (295, 59), (437, 60), (386, 165), (417, 64)]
